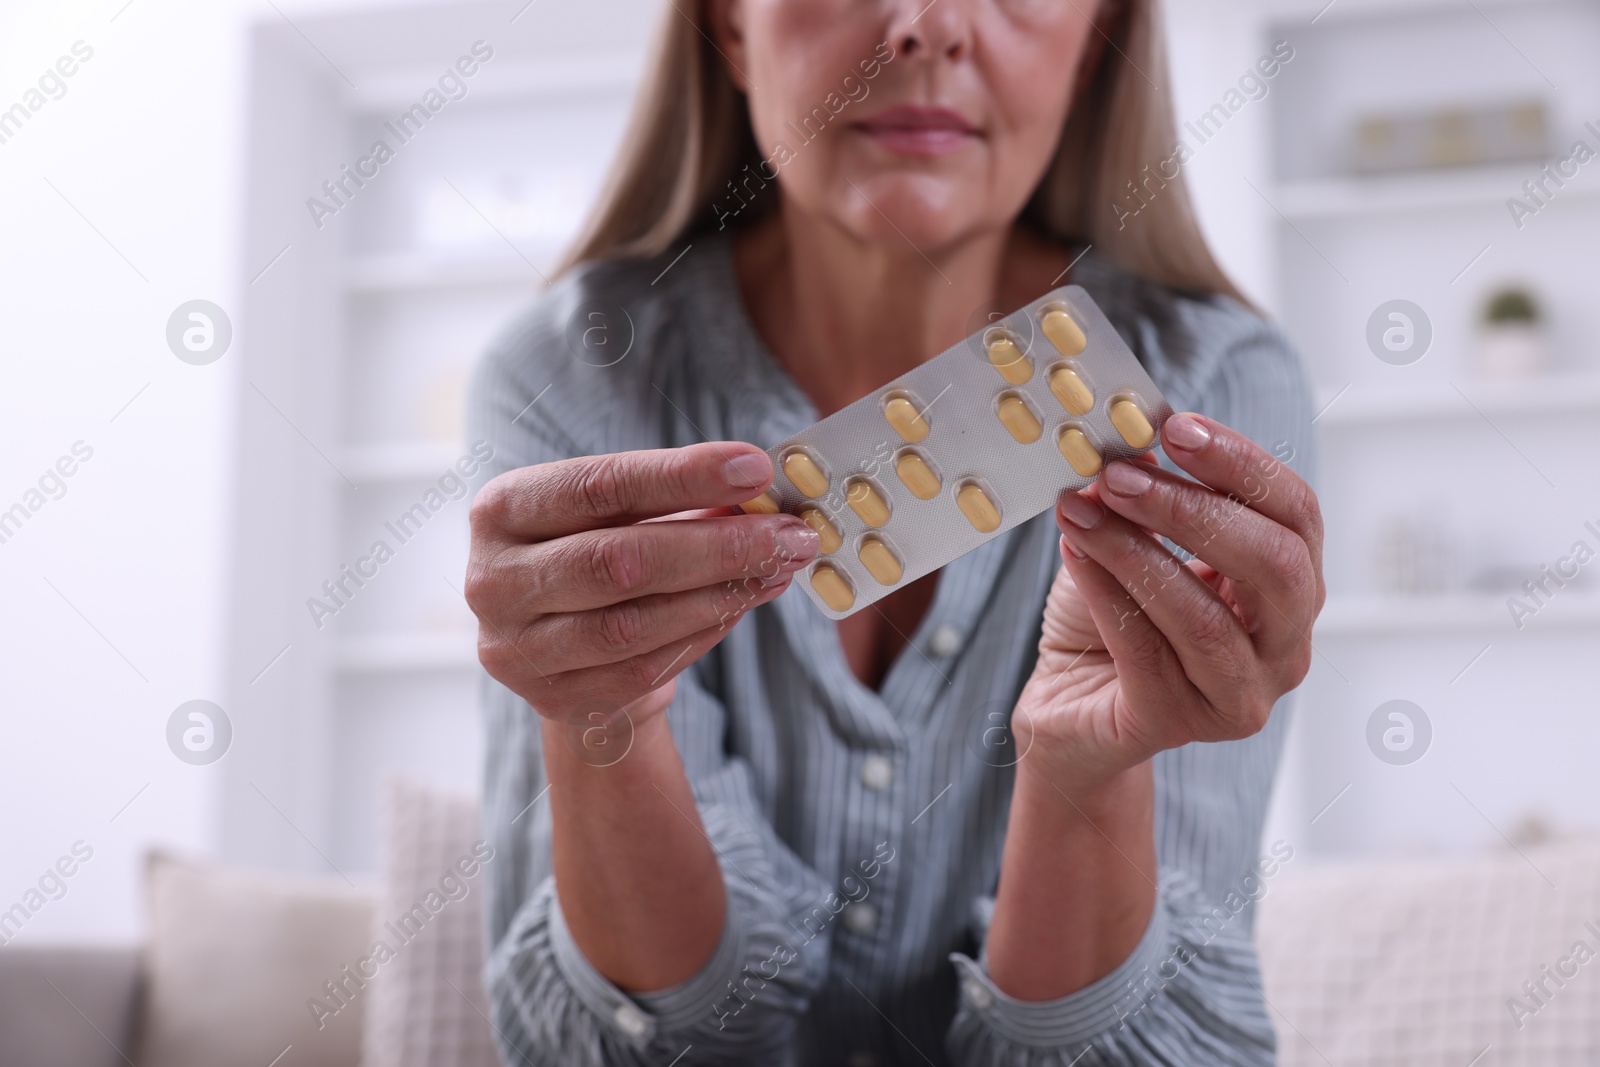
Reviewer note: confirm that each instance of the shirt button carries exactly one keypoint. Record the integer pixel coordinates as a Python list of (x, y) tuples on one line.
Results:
[(631, 1021), (861, 918), (876, 772), (977, 995), (946, 641), (862, 1059)]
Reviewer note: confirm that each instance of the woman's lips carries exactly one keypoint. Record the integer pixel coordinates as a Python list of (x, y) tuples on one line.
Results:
[(922, 131)]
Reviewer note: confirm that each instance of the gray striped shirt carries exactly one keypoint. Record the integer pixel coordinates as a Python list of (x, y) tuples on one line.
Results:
[(860, 831)]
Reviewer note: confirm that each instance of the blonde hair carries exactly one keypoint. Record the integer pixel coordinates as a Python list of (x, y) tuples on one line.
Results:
[(690, 136)]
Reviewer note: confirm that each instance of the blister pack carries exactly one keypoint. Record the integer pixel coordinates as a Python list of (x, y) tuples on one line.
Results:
[(970, 444)]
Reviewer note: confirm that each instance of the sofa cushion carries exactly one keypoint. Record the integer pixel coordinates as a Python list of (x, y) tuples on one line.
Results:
[(427, 1006), (1413, 964), (249, 970)]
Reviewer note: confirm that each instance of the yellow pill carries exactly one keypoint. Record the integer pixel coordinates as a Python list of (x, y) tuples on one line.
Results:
[(880, 562), (825, 529), (1131, 423), (906, 419), (1009, 360), (1018, 420), (832, 588), (1079, 452), (865, 502), (765, 504), (1070, 390), (978, 508), (918, 476), (1064, 333), (805, 474)]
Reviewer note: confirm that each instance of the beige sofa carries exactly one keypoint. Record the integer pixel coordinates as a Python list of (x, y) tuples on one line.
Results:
[(260, 971), (1468, 961)]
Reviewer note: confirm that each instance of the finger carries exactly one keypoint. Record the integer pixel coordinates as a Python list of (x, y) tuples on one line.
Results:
[(1230, 462), (615, 685), (556, 499), (1266, 560), (578, 640), (1209, 641), (1148, 669), (600, 567)]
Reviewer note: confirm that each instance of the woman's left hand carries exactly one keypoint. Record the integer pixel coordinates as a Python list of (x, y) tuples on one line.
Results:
[(1141, 652)]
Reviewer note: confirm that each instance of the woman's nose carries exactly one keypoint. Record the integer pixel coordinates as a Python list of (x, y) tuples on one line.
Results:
[(920, 29)]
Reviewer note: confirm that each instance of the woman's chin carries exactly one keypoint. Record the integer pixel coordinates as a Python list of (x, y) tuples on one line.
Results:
[(928, 212)]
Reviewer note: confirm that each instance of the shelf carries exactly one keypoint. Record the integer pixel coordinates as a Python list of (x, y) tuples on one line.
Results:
[(1343, 198), (1367, 404), (1452, 613), (408, 653), (410, 271), (419, 461), (528, 82), (1284, 15)]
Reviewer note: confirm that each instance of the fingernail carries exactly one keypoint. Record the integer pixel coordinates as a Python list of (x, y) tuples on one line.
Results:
[(796, 541), (1081, 511), (1126, 479), (748, 471), (1187, 432), (1071, 546)]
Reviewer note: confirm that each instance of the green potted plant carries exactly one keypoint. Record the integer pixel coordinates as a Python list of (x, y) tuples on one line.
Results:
[(1511, 338)]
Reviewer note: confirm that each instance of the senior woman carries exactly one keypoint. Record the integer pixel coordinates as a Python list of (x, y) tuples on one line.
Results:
[(730, 830)]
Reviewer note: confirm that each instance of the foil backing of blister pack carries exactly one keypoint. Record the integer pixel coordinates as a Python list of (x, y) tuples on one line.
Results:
[(959, 393)]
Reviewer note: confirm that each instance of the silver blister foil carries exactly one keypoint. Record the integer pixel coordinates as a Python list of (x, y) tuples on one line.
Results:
[(959, 394)]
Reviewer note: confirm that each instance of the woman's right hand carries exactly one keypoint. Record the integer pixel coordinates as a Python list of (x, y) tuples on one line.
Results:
[(588, 606)]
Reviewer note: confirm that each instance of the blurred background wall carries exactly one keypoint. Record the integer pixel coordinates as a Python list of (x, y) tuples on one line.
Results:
[(185, 159)]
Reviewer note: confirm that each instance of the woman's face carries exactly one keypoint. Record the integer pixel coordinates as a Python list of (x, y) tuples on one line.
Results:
[(904, 120)]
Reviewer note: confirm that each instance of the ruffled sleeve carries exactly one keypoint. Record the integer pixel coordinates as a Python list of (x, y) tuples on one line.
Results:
[(742, 1007), (1189, 993)]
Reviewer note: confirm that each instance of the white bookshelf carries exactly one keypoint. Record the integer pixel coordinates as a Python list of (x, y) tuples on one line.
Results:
[(1567, 614), (417, 461), (1370, 197), (408, 272), (365, 333), (1486, 465), (412, 653), (1423, 406), (594, 69)]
